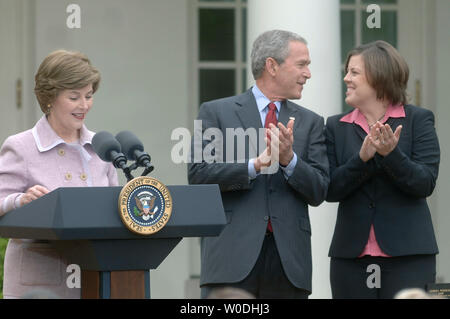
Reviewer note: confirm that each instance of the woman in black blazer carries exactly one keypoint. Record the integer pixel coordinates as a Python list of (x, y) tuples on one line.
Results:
[(384, 160)]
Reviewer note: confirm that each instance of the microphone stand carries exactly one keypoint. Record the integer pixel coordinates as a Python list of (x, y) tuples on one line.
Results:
[(127, 170), (127, 173), (147, 170), (119, 161)]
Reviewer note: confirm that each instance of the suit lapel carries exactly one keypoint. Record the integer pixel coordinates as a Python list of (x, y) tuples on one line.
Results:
[(250, 118), (248, 111), (288, 110), (394, 122), (359, 131), (249, 115)]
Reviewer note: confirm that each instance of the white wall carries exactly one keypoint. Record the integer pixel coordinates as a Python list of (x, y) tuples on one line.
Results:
[(140, 48), (442, 67)]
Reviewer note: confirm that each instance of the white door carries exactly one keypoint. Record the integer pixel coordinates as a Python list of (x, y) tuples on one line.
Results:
[(11, 83)]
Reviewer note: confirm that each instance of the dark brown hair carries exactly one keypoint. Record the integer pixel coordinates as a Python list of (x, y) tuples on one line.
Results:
[(386, 70)]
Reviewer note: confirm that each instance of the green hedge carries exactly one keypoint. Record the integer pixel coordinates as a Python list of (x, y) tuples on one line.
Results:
[(3, 242)]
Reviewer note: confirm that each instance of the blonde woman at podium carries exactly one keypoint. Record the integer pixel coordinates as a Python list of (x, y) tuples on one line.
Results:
[(56, 152)]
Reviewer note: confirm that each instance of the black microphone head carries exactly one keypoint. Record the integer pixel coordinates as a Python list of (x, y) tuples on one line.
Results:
[(130, 143), (104, 143)]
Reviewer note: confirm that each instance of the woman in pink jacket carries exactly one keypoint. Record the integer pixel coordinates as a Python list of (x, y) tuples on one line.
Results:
[(56, 152)]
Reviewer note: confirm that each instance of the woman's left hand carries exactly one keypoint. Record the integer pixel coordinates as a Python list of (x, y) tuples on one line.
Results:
[(384, 140)]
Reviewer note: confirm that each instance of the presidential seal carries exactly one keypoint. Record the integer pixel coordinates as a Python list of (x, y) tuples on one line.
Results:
[(145, 205)]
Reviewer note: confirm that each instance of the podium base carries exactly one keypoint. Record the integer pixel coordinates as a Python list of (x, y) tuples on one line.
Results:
[(127, 284)]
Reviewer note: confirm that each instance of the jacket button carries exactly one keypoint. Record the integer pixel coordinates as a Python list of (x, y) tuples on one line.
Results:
[(68, 176), (61, 152), (83, 177), (266, 218), (372, 205)]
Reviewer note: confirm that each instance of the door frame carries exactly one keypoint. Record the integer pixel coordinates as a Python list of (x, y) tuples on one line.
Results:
[(18, 64)]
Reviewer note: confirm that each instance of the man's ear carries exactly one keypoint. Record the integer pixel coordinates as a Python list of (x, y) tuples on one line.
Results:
[(271, 66)]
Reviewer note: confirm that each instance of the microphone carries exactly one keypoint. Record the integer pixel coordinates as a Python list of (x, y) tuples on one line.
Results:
[(109, 149), (134, 150)]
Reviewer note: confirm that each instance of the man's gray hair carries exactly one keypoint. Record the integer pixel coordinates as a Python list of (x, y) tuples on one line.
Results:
[(271, 44)]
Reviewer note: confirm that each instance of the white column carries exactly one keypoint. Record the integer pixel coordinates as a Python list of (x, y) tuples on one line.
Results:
[(318, 22)]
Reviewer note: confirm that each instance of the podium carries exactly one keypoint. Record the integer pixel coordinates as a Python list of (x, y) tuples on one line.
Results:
[(84, 225)]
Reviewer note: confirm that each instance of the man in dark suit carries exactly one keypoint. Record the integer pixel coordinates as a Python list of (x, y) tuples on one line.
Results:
[(265, 247)]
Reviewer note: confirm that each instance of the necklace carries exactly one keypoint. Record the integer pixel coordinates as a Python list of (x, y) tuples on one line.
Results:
[(370, 125)]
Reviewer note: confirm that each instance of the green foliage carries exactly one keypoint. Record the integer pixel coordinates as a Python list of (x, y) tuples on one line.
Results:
[(3, 243)]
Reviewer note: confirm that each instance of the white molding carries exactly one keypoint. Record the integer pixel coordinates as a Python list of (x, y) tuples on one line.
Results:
[(363, 6), (32, 111), (192, 35), (220, 65)]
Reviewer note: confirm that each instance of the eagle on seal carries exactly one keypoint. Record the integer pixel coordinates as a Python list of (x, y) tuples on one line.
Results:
[(145, 201)]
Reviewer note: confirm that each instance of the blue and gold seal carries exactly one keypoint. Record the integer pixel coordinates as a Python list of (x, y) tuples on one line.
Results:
[(145, 205)]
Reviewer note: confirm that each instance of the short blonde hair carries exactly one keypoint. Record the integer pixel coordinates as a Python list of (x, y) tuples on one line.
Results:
[(62, 70)]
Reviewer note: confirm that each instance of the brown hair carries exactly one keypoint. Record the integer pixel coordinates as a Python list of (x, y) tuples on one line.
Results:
[(62, 70), (386, 70)]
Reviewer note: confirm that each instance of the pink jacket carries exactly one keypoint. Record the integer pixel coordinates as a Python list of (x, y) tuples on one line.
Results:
[(40, 156)]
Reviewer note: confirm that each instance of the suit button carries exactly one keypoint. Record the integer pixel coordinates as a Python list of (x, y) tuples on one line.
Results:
[(68, 176), (83, 177), (266, 218), (372, 205), (61, 152)]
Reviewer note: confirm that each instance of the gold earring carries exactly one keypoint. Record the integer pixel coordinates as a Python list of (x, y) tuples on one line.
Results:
[(49, 106)]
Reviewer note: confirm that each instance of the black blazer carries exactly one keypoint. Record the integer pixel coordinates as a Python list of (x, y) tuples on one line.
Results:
[(389, 192)]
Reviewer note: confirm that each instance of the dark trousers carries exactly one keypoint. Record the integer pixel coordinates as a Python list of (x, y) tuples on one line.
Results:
[(353, 278), (267, 278)]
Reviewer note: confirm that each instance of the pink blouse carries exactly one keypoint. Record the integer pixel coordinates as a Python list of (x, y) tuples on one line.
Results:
[(395, 111)]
